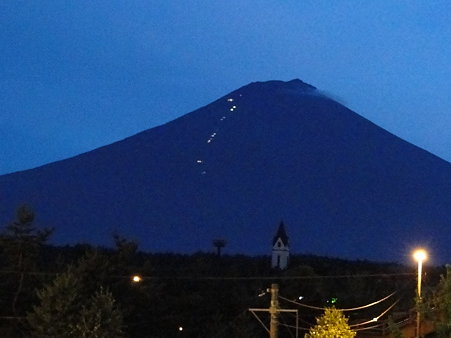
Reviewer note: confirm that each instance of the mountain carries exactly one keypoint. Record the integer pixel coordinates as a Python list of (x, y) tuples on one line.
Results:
[(267, 152)]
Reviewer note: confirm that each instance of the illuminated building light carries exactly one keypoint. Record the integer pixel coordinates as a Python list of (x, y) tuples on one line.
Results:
[(199, 161), (209, 140), (234, 107), (230, 100), (231, 109)]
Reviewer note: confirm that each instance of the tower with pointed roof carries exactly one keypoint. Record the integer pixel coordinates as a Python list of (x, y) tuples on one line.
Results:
[(280, 249)]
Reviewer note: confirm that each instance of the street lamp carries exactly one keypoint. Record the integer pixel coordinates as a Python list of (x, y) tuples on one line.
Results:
[(136, 278), (419, 255)]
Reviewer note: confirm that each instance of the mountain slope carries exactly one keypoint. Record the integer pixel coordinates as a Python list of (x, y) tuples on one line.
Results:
[(234, 168)]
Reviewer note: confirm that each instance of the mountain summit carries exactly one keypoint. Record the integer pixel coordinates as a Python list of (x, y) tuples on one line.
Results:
[(238, 166)]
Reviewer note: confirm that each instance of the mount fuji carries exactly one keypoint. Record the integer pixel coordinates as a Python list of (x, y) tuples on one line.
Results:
[(267, 152)]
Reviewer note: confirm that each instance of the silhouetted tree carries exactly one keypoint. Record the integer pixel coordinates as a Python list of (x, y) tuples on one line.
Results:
[(20, 242), (441, 303), (20, 245), (59, 306), (67, 309), (100, 317), (394, 328)]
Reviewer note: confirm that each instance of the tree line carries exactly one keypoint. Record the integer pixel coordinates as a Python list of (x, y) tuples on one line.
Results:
[(87, 291)]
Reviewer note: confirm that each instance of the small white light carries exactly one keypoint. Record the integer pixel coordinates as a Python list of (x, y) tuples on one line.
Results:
[(180, 328), (300, 297), (230, 100)]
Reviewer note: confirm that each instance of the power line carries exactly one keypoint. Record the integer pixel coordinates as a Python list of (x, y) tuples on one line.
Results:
[(300, 328), (375, 319), (370, 327), (268, 277), (149, 277), (355, 326), (344, 310)]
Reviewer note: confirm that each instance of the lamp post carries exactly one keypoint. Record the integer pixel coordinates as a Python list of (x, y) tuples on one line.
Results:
[(419, 255)]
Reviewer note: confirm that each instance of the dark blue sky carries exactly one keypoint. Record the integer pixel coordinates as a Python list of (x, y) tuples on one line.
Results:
[(76, 75)]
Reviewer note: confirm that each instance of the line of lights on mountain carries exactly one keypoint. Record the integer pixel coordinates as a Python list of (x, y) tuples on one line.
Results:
[(214, 134)]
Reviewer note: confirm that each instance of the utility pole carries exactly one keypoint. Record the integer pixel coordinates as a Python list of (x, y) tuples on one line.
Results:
[(274, 311)]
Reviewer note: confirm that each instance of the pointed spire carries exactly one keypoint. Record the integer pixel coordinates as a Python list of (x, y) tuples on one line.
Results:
[(282, 234)]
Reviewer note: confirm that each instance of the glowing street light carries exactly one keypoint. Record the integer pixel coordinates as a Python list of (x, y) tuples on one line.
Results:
[(136, 278), (419, 255)]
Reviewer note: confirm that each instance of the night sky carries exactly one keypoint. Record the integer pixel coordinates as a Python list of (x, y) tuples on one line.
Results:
[(76, 75)]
